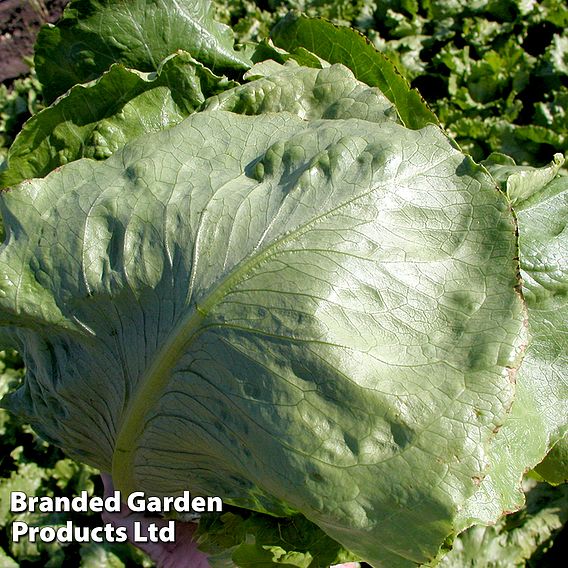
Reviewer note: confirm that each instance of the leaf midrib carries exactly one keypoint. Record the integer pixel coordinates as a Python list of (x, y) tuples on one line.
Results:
[(154, 380), (156, 376)]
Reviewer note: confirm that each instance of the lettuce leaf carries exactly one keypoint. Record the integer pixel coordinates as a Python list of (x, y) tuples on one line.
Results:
[(348, 47), (93, 120), (539, 416), (94, 34), (249, 540), (323, 310), (517, 540)]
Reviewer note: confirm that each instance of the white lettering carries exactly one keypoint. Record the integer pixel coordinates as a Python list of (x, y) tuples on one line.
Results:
[(112, 503), (68, 533), (154, 533), (138, 537), (18, 502), (136, 503), (182, 504), (96, 534), (47, 534), (198, 504), (154, 505), (65, 534), (168, 534), (19, 528), (214, 505), (33, 532), (121, 534), (79, 504), (96, 504), (167, 503), (80, 534)]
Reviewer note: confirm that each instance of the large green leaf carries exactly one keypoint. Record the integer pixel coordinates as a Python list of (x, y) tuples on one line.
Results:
[(347, 46), (517, 540), (140, 34), (323, 311), (539, 417), (95, 119)]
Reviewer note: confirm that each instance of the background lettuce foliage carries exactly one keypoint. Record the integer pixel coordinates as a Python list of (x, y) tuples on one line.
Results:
[(495, 72), (496, 75)]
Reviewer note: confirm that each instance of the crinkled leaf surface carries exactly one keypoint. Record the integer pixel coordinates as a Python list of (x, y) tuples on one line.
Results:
[(348, 47), (328, 93), (515, 539), (253, 539), (522, 182), (323, 311), (539, 417), (95, 119), (543, 244), (94, 34)]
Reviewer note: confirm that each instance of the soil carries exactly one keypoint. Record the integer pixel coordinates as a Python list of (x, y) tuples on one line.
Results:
[(20, 21)]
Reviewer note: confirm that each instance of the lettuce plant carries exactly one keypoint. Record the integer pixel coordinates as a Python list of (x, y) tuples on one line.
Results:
[(494, 72), (265, 272)]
